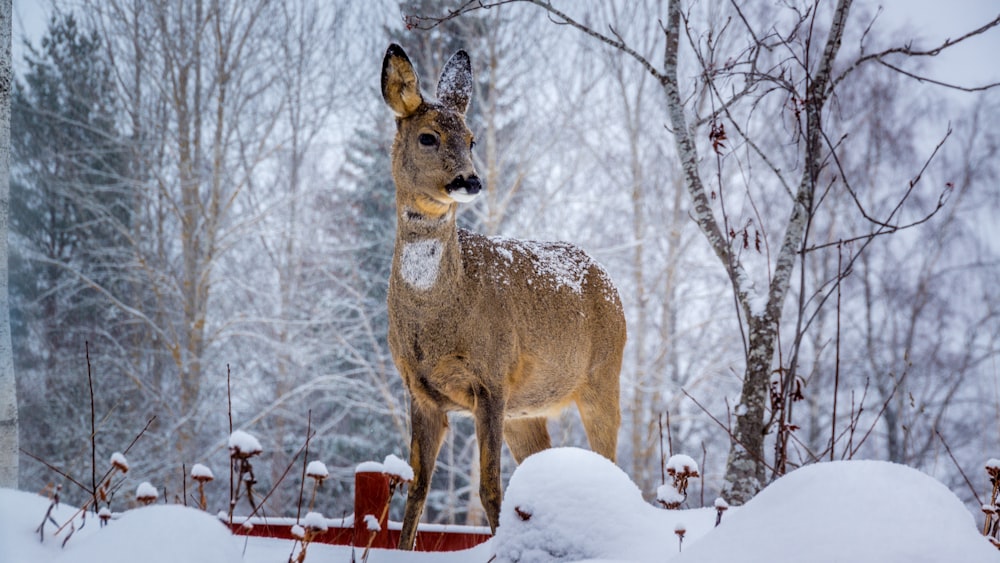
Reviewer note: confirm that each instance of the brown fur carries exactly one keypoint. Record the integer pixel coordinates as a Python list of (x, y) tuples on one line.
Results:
[(509, 331)]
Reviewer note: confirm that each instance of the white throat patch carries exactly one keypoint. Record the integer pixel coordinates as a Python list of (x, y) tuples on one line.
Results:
[(420, 261)]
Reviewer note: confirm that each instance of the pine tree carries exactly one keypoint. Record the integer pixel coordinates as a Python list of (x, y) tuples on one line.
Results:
[(67, 212)]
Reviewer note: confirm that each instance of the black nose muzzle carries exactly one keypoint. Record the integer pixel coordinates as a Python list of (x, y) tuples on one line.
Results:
[(471, 185), (464, 189)]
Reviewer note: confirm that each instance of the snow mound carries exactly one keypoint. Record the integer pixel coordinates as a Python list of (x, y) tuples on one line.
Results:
[(568, 504), (857, 511), (20, 515), (156, 534)]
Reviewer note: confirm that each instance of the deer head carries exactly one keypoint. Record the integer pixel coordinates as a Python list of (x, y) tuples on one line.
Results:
[(432, 153)]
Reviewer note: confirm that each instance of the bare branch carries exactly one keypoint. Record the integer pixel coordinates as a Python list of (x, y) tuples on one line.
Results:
[(909, 51)]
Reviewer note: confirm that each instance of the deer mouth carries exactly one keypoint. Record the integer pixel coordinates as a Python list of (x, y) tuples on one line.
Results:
[(464, 190)]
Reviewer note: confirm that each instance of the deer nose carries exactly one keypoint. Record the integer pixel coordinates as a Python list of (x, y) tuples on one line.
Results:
[(464, 189), (472, 185)]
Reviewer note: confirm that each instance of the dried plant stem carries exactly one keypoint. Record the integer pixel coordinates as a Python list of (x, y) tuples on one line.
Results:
[(305, 463), (968, 483), (93, 428)]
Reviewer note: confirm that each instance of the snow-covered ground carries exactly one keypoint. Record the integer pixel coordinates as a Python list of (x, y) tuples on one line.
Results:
[(568, 504)]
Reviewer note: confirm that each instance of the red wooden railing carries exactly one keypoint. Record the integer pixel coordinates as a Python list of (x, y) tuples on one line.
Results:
[(371, 497)]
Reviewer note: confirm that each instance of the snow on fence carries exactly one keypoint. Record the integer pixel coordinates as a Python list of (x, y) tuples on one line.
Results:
[(369, 525)]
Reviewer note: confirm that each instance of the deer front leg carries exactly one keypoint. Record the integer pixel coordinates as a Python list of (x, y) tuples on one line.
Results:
[(428, 428), (489, 433)]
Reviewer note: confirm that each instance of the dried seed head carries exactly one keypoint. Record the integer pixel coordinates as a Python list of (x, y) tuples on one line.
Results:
[(993, 468), (523, 513), (119, 462), (243, 446), (721, 505), (146, 493), (201, 473), (317, 470)]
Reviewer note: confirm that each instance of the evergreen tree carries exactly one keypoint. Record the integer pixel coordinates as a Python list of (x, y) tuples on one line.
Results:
[(67, 214)]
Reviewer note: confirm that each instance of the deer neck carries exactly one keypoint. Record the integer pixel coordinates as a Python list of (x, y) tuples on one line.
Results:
[(427, 259)]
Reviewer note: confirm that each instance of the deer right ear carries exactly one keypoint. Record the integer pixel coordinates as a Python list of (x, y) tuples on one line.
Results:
[(400, 87)]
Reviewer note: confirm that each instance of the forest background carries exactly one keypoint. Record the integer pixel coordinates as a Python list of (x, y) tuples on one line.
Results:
[(201, 202)]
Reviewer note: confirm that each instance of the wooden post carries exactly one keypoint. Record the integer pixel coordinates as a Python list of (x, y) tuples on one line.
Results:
[(371, 497)]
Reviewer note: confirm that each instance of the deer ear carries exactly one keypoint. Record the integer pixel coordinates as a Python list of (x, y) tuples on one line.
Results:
[(400, 87), (454, 88)]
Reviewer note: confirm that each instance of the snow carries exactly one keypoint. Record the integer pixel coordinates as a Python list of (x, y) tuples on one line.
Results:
[(857, 511), (155, 534), (371, 522), (456, 80), (317, 470), (668, 495), (370, 467), (419, 263), (200, 472), (568, 504), (559, 263), (118, 461), (146, 491), (315, 521), (682, 464), (392, 465), (244, 444), (395, 466)]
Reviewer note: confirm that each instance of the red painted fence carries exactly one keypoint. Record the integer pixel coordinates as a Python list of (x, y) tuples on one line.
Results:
[(371, 497)]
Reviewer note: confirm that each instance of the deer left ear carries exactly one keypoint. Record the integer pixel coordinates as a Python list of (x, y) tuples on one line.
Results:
[(454, 88)]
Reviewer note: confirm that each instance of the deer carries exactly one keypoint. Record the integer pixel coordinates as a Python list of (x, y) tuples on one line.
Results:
[(508, 331)]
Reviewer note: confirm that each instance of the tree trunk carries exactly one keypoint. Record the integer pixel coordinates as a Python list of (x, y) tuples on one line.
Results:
[(8, 389)]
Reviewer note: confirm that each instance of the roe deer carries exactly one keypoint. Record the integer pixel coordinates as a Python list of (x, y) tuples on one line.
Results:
[(509, 331)]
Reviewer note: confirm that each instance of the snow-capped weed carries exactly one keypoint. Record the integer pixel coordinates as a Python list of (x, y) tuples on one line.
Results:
[(680, 468), (201, 474), (104, 514), (991, 527), (720, 506), (119, 462), (242, 447), (146, 494)]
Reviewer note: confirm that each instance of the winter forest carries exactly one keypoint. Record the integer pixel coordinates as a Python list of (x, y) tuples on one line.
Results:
[(799, 215)]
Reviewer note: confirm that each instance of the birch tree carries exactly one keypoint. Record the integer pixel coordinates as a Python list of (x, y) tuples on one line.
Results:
[(8, 390)]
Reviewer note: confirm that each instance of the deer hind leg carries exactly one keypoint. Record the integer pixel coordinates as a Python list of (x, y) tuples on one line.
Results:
[(428, 428), (600, 410), (526, 436)]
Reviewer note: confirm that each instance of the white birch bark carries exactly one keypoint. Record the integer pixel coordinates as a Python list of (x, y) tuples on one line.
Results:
[(8, 389), (745, 467)]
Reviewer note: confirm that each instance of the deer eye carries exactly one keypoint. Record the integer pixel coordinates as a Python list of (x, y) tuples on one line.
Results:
[(427, 140)]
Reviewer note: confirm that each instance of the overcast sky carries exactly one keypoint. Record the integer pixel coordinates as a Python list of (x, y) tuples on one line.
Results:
[(931, 21)]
